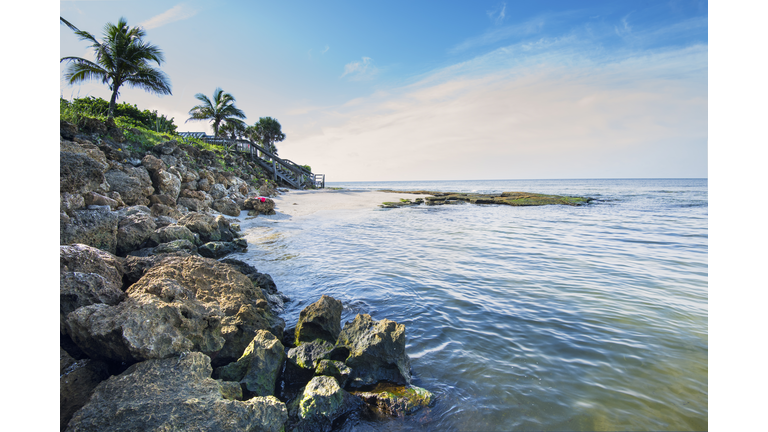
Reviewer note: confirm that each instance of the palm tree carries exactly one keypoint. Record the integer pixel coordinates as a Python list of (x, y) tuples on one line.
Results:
[(121, 58), (222, 108), (267, 131), (234, 127)]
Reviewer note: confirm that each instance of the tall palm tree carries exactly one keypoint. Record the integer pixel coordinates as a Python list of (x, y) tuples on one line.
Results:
[(122, 57), (221, 108), (232, 126)]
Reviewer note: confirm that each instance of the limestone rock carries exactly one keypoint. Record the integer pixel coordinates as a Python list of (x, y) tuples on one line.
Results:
[(76, 384), (259, 367), (301, 361), (152, 164), (95, 228), (220, 249), (218, 191), (266, 208), (320, 320), (170, 233), (132, 183), (174, 394), (164, 210), (133, 231), (226, 206), (375, 350), (182, 245), (321, 402), (336, 369), (92, 198), (166, 183), (162, 199), (397, 401), (192, 204), (81, 169)]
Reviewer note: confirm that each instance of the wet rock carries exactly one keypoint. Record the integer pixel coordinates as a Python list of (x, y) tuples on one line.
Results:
[(259, 367), (95, 228), (220, 249), (174, 394), (396, 401), (133, 231), (266, 208), (375, 350), (207, 227), (320, 320), (320, 403), (301, 361), (333, 368)]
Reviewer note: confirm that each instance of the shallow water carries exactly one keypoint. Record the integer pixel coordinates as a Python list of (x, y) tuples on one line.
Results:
[(523, 318)]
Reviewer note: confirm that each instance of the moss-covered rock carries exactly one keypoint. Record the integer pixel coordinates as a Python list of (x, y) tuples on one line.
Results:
[(320, 403), (259, 367), (398, 401), (320, 320)]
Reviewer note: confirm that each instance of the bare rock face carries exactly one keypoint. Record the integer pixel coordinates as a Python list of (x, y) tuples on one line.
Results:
[(133, 231), (320, 320), (179, 304), (375, 350), (174, 394), (259, 367), (87, 276), (97, 228), (81, 168), (132, 183)]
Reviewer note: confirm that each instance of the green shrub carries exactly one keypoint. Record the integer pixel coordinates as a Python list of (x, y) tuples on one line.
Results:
[(98, 108)]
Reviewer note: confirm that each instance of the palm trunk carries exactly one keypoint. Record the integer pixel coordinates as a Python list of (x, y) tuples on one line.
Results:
[(112, 104)]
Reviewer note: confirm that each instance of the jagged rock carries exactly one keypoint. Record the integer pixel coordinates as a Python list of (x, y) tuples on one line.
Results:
[(320, 320), (266, 208), (208, 228), (174, 246), (77, 379), (132, 183), (320, 403), (92, 198), (135, 267), (259, 367), (162, 199), (375, 350), (95, 228), (218, 191), (204, 185), (267, 190), (192, 204), (226, 206), (81, 169), (164, 221), (171, 233), (301, 361), (67, 130), (69, 202), (166, 183), (397, 401), (179, 304), (164, 210), (152, 164), (133, 231), (230, 390), (333, 368), (174, 394), (219, 249)]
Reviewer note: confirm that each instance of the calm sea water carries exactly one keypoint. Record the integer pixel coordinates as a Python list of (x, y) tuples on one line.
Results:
[(523, 318)]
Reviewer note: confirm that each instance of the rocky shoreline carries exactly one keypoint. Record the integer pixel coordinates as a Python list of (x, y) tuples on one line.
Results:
[(504, 198), (159, 331)]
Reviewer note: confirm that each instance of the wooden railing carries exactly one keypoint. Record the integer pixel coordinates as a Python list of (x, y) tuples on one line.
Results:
[(283, 170)]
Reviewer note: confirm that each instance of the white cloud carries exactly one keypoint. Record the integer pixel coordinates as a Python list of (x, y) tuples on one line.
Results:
[(491, 36), (360, 69), (497, 15), (325, 50), (558, 114), (176, 13)]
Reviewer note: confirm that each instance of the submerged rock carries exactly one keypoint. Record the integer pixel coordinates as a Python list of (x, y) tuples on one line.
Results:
[(320, 403), (397, 401), (174, 394), (375, 350), (320, 320)]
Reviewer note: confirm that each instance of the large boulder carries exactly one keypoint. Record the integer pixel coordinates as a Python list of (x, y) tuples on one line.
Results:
[(132, 183), (221, 249), (77, 379), (226, 206), (81, 168), (171, 233), (87, 276), (218, 191), (302, 361), (133, 231), (166, 183), (209, 228), (97, 228), (259, 367), (320, 403), (175, 394), (152, 164), (266, 208), (320, 320), (375, 350), (179, 304), (334, 368)]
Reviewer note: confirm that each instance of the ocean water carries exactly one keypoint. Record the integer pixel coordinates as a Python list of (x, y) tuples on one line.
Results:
[(522, 318)]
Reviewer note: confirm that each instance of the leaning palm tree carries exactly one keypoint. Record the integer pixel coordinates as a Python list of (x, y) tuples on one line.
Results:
[(122, 57), (222, 108)]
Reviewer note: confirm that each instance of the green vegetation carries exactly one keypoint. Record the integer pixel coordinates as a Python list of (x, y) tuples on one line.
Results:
[(122, 58), (125, 113), (266, 131), (221, 109)]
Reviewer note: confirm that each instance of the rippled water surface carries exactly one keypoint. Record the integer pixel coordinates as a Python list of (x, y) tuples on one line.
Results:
[(523, 318)]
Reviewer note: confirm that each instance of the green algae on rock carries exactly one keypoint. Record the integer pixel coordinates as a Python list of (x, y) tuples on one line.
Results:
[(505, 198), (398, 401)]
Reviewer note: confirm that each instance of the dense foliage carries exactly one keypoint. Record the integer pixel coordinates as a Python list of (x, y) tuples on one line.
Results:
[(125, 113)]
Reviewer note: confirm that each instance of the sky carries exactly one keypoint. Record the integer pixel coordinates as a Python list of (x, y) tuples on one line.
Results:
[(377, 91)]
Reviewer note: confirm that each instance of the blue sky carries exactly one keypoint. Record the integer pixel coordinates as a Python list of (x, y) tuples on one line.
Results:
[(439, 90)]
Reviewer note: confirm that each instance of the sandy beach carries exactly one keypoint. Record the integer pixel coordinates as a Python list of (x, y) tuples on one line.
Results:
[(298, 204)]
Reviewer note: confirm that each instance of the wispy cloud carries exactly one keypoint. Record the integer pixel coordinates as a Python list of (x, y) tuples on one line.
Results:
[(325, 50), (360, 69), (176, 13), (497, 15), (625, 28), (494, 35)]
